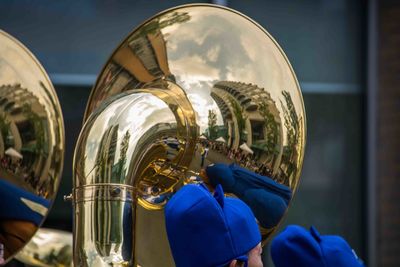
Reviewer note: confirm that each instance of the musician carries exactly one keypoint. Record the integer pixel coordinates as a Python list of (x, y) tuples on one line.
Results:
[(296, 246), (206, 230)]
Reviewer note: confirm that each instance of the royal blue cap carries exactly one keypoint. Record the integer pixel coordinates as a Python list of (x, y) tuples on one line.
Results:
[(209, 231), (296, 246)]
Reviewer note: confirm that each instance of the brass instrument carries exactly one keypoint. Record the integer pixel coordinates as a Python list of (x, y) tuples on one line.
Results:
[(31, 146), (192, 86), (48, 248)]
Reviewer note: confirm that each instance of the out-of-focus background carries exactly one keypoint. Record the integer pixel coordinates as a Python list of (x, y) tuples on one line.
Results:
[(344, 54)]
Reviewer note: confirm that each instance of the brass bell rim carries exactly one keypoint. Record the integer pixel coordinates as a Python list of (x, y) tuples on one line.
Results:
[(87, 109)]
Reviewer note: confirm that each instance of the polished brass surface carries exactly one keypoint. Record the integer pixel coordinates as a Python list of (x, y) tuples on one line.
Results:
[(48, 248), (192, 86), (31, 145)]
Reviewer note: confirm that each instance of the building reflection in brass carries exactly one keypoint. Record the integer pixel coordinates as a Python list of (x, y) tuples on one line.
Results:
[(194, 90), (31, 145)]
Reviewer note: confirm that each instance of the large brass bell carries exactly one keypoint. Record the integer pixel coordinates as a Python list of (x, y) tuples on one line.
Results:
[(31, 146), (192, 86)]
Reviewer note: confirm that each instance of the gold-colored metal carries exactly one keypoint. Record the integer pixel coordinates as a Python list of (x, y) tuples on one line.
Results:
[(31, 145), (192, 86), (48, 248)]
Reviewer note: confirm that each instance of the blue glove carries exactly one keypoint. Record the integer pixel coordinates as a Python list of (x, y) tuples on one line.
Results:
[(266, 198)]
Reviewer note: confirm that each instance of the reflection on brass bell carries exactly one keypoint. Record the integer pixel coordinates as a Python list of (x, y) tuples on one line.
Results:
[(31, 145), (193, 86)]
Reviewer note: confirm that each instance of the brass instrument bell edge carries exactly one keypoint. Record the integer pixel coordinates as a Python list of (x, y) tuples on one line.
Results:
[(31, 146)]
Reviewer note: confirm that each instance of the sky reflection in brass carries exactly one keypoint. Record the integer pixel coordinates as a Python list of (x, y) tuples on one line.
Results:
[(193, 86), (31, 145)]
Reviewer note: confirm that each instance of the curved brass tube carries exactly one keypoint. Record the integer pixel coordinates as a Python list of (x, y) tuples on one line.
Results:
[(123, 154)]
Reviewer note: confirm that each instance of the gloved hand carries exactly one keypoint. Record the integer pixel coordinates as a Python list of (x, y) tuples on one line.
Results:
[(266, 198)]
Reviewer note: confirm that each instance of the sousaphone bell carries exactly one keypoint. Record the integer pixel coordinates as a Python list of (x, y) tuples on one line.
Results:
[(31, 147)]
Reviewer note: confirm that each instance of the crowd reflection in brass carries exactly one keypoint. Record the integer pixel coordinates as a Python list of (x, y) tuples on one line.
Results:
[(31, 145), (192, 87)]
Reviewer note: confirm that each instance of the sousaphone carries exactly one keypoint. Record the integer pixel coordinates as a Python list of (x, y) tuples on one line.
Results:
[(31, 146), (193, 88)]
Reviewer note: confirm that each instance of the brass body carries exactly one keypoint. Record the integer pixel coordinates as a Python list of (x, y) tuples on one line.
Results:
[(48, 248), (31, 145), (194, 85)]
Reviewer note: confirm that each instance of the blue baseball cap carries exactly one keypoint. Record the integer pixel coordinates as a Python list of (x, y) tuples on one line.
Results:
[(206, 230), (296, 246)]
